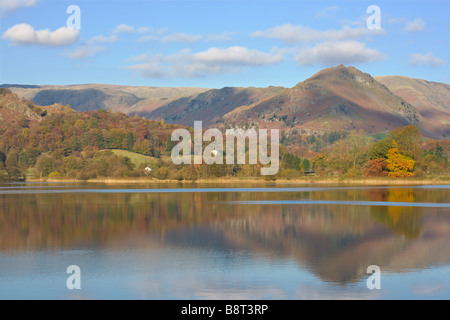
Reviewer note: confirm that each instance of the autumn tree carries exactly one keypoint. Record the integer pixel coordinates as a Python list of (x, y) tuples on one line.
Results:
[(376, 168), (407, 139), (45, 165), (319, 163), (433, 164), (398, 164), (379, 149)]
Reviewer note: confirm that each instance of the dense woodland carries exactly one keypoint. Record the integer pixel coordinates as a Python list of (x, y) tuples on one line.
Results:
[(75, 144), (83, 145)]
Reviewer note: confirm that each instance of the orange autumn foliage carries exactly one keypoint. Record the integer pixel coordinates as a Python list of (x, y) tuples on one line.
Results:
[(398, 164)]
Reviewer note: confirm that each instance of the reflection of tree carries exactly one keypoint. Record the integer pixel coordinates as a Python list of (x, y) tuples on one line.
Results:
[(67, 220), (401, 221), (406, 221)]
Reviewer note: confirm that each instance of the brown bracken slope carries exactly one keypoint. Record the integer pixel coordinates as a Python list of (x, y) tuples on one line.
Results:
[(431, 99), (338, 98), (334, 99)]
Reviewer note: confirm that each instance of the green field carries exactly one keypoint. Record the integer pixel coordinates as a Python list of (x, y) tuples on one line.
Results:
[(136, 158), (379, 136)]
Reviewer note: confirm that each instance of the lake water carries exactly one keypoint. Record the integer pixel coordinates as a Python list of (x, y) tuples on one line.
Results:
[(224, 242)]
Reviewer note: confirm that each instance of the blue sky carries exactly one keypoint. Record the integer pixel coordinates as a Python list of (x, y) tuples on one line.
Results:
[(219, 43)]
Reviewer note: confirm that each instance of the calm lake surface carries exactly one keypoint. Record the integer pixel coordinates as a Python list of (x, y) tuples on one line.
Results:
[(224, 242)]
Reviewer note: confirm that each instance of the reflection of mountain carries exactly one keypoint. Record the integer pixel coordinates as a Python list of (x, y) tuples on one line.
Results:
[(337, 243)]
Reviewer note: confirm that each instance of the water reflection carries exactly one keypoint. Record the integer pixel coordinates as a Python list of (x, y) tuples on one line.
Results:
[(334, 242), (400, 220)]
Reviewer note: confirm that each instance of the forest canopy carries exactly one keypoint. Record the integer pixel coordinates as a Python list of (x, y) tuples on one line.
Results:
[(95, 144)]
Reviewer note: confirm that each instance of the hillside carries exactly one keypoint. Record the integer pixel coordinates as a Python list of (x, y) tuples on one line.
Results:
[(333, 99), (127, 99), (136, 158), (57, 141), (211, 105), (431, 99), (17, 111)]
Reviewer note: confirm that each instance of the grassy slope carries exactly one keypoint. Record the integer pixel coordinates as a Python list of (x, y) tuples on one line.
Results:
[(136, 158)]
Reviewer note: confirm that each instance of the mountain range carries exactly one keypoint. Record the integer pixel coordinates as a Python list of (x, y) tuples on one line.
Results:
[(331, 100)]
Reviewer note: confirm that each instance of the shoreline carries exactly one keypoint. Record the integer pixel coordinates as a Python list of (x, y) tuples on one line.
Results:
[(315, 180)]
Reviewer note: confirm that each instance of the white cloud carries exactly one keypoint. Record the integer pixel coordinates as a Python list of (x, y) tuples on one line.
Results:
[(102, 39), (300, 34), (212, 61), (415, 25), (149, 70), (237, 56), (327, 12), (90, 48), (150, 37), (143, 30), (187, 38), (161, 34), (223, 37), (152, 30), (338, 52), (12, 5), (150, 57), (123, 28), (181, 37), (85, 51), (24, 34), (355, 23), (425, 59), (151, 33)]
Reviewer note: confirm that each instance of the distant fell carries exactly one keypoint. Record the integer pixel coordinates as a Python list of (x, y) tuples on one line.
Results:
[(127, 99), (431, 99), (333, 99), (338, 98)]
